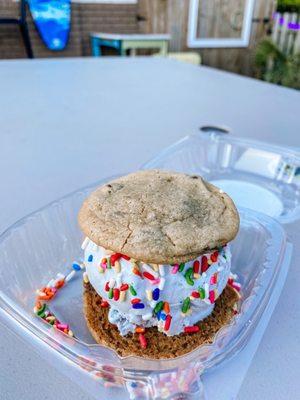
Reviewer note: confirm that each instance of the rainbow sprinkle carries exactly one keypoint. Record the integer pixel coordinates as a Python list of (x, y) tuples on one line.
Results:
[(158, 307), (186, 305), (188, 276), (132, 290)]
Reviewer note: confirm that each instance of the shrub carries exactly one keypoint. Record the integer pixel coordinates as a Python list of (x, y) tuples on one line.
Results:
[(288, 6), (275, 66)]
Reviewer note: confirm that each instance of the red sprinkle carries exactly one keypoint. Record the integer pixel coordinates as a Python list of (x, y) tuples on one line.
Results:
[(106, 288), (135, 300), (116, 293), (230, 281), (214, 256), (148, 276), (204, 264), (213, 279), (125, 257), (104, 304), (168, 322), (114, 258), (124, 287), (196, 266), (212, 296), (143, 341), (196, 295), (191, 329)]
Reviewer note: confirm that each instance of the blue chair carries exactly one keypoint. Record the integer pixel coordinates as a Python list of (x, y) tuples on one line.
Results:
[(22, 23)]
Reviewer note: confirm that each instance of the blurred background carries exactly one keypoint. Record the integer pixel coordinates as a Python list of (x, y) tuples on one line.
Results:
[(258, 38)]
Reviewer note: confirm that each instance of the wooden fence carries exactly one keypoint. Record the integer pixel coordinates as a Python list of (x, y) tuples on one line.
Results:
[(286, 32), (171, 16)]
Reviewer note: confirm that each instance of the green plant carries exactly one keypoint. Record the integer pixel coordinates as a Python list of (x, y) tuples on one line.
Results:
[(275, 66), (288, 6)]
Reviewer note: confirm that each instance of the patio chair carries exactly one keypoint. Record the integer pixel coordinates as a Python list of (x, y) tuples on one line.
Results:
[(20, 21)]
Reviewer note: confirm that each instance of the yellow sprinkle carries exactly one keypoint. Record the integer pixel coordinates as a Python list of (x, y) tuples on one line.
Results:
[(154, 266), (209, 262), (149, 294), (100, 269), (85, 278), (70, 333), (196, 276), (50, 318), (122, 295), (117, 266)]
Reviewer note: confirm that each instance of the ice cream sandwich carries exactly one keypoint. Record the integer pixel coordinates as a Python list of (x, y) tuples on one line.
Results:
[(158, 263)]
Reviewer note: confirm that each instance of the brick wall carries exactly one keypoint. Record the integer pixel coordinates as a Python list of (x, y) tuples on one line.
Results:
[(86, 18)]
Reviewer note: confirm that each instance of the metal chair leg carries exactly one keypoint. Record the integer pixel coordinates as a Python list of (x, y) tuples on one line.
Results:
[(26, 39)]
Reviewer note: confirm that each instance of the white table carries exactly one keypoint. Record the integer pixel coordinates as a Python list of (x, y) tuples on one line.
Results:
[(66, 123)]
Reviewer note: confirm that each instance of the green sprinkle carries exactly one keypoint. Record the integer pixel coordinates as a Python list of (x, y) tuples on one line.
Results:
[(188, 276), (181, 267), (43, 315), (186, 305), (158, 307), (201, 292), (108, 264), (41, 311), (132, 290), (110, 293)]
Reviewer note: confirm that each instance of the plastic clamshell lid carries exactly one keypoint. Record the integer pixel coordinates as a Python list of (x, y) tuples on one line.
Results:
[(256, 175)]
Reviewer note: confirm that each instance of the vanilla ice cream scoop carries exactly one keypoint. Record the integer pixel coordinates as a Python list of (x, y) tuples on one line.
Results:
[(170, 297)]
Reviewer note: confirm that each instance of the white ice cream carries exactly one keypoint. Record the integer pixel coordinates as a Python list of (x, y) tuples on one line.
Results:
[(172, 287)]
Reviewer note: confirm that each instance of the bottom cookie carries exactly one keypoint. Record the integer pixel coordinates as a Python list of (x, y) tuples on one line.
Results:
[(158, 344)]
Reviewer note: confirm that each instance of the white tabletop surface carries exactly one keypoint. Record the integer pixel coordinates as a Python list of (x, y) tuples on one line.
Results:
[(132, 36), (67, 123)]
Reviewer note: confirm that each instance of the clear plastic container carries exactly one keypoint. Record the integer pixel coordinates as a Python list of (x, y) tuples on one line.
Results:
[(259, 176), (39, 246)]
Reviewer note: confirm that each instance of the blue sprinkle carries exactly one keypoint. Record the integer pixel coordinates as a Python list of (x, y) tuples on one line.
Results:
[(90, 259), (138, 305), (134, 384), (155, 294), (158, 315), (76, 267), (163, 316)]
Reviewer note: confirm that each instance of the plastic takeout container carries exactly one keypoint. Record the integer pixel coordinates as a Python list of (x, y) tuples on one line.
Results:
[(259, 176), (39, 246)]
